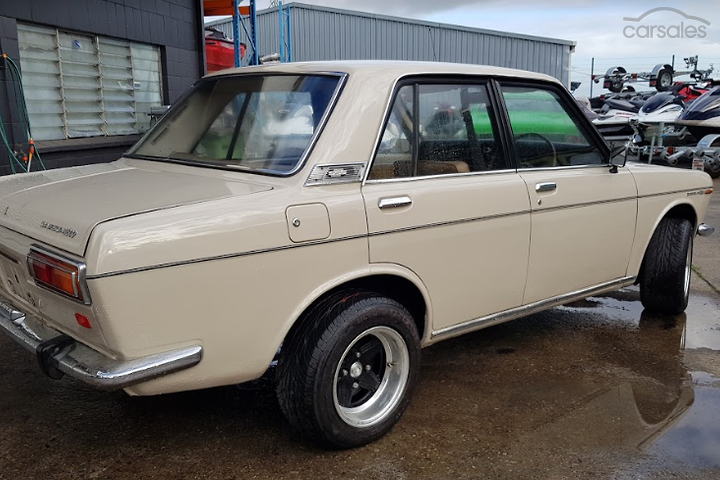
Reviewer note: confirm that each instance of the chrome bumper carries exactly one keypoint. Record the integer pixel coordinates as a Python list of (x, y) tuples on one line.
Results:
[(705, 230), (60, 354)]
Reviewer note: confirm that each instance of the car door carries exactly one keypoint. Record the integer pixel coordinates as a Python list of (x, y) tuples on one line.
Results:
[(442, 201), (583, 215)]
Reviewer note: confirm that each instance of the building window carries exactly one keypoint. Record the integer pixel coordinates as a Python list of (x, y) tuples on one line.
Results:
[(78, 85)]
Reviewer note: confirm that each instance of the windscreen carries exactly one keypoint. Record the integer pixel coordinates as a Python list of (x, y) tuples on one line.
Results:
[(262, 123)]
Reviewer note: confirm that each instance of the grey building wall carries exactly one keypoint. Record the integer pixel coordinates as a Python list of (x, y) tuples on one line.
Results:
[(320, 33), (173, 25)]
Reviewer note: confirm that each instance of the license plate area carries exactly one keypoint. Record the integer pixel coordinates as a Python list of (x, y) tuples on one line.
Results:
[(15, 279)]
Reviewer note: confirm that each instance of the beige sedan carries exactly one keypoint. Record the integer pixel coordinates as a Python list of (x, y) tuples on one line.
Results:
[(333, 218)]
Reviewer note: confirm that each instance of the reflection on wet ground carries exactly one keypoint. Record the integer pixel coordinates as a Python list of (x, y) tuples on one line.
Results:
[(596, 389), (690, 433)]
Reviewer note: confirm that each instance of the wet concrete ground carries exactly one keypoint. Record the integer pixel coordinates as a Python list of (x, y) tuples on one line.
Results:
[(593, 390)]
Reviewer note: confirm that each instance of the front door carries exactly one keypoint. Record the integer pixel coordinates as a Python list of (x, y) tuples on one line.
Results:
[(583, 216)]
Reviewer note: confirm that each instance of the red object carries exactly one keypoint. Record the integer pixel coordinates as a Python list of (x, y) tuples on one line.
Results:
[(82, 320), (690, 92), (219, 50)]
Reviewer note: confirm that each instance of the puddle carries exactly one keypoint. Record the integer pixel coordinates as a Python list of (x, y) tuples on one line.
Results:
[(695, 440), (703, 329), (702, 378), (669, 410), (623, 305)]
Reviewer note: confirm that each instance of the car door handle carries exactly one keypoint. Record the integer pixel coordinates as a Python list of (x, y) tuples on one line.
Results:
[(395, 202), (545, 187)]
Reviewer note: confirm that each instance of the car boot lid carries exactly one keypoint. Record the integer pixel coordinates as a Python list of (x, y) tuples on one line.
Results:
[(61, 207)]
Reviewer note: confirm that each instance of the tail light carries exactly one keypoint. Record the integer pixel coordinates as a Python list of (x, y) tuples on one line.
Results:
[(58, 273)]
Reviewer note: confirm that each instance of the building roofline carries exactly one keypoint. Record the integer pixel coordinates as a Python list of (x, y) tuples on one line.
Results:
[(449, 26)]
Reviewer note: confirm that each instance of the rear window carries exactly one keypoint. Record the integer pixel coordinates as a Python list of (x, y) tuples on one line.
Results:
[(261, 123)]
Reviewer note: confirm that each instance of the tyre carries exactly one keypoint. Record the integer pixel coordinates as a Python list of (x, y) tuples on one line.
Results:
[(665, 283), (712, 166), (664, 80), (347, 373)]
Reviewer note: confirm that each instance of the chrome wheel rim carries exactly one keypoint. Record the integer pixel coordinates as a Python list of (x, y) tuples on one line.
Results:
[(665, 80), (688, 269), (371, 377)]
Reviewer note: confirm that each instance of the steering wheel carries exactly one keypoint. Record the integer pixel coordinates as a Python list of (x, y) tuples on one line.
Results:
[(540, 162)]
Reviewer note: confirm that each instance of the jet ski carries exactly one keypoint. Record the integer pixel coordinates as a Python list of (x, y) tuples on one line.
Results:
[(702, 117)]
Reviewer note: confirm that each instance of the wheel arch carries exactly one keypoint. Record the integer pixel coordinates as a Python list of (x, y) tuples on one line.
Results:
[(676, 210), (391, 281)]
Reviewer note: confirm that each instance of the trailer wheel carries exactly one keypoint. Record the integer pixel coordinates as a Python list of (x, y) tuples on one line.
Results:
[(712, 166), (664, 80)]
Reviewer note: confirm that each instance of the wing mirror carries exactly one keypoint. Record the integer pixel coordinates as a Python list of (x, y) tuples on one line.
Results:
[(618, 158)]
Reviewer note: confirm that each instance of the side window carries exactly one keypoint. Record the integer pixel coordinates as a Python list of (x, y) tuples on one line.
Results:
[(451, 130), (546, 134)]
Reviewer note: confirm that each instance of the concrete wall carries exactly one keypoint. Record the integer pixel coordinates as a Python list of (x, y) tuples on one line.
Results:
[(173, 25)]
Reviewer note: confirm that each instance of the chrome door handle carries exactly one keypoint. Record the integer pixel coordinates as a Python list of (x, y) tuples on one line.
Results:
[(395, 202), (545, 187)]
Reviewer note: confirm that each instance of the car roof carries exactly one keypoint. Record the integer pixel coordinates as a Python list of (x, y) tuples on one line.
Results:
[(386, 69)]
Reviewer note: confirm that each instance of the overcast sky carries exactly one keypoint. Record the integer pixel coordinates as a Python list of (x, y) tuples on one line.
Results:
[(596, 26)]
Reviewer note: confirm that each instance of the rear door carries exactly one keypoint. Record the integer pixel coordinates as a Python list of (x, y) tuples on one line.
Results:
[(583, 216), (442, 201)]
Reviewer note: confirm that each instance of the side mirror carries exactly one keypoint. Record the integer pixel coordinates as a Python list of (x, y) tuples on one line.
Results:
[(618, 158)]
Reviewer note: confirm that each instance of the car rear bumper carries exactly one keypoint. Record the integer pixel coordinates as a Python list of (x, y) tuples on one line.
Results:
[(60, 354)]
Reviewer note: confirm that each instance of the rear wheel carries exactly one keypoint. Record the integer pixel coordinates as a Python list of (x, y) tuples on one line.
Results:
[(665, 284), (346, 375)]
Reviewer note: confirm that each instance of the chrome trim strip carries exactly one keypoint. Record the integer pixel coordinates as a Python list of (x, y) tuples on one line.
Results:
[(451, 222), (394, 202), (650, 195), (222, 257), (529, 309), (342, 239), (90, 366), (447, 175), (563, 167), (705, 230), (584, 204), (81, 267), (545, 187), (304, 244)]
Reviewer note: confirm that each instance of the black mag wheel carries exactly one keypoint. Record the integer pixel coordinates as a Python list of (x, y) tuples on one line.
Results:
[(371, 377), (347, 373), (667, 267)]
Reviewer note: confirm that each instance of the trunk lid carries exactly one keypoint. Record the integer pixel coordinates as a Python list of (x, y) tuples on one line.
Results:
[(61, 207)]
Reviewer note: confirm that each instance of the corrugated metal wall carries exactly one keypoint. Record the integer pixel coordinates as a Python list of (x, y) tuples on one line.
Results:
[(320, 33)]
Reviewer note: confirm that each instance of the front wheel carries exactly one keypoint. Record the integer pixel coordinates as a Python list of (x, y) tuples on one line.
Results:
[(346, 375), (665, 283)]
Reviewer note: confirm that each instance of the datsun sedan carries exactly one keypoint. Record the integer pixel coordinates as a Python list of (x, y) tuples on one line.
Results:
[(331, 219)]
